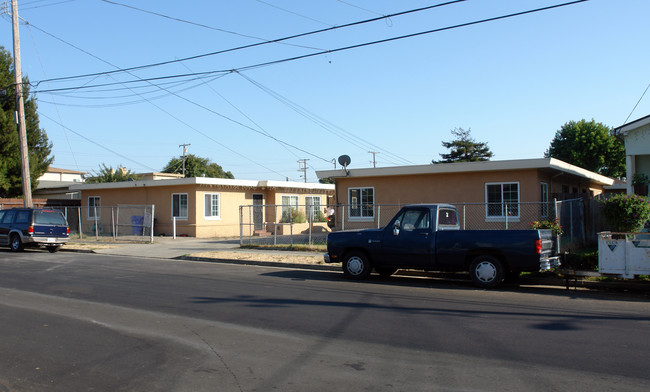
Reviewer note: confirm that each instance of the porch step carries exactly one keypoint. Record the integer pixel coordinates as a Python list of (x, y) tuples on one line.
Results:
[(261, 233)]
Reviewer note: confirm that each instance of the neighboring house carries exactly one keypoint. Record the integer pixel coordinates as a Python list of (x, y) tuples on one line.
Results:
[(55, 184), (496, 189), (204, 207), (636, 136)]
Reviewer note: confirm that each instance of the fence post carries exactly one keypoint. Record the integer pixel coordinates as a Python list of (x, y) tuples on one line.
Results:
[(96, 228), (464, 216), (79, 219), (113, 224), (153, 209), (557, 237), (378, 216), (311, 222), (241, 225), (275, 225), (506, 207), (174, 227), (343, 218), (291, 227)]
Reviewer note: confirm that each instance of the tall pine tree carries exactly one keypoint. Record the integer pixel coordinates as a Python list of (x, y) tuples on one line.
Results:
[(464, 148), (39, 146)]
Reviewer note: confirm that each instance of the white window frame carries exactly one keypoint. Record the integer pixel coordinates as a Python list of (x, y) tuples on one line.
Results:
[(290, 205), (208, 205), (96, 203), (544, 196), (502, 217), (310, 205), (180, 208), (354, 204)]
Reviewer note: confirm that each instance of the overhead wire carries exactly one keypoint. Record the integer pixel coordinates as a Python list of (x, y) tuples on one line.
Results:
[(40, 113), (151, 65), (328, 126), (197, 24), (178, 119)]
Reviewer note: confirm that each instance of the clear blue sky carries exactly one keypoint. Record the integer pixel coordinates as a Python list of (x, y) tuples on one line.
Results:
[(514, 81)]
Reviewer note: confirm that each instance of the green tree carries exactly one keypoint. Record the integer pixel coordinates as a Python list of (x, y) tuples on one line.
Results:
[(108, 174), (40, 148), (196, 167), (464, 148), (589, 145)]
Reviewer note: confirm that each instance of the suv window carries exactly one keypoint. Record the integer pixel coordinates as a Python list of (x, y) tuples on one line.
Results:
[(49, 218), (22, 217), (9, 216)]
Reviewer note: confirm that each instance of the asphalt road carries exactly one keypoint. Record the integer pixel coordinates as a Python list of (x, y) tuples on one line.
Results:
[(88, 322)]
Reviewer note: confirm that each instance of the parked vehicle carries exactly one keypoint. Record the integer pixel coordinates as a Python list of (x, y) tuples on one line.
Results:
[(32, 227), (428, 237)]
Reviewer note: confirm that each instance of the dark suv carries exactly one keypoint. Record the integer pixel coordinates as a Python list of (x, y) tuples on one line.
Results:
[(21, 227)]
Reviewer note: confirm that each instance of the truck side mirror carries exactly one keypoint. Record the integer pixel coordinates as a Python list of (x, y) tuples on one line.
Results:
[(396, 227)]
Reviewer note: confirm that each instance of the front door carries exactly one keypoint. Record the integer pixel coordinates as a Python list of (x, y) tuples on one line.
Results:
[(411, 243), (258, 212)]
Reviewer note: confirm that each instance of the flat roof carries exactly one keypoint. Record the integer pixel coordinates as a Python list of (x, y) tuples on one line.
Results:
[(204, 181), (465, 167), (625, 128)]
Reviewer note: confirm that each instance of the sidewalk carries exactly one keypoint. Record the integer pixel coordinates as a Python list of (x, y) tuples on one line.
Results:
[(228, 251)]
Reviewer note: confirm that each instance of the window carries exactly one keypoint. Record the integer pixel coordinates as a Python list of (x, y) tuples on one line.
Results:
[(289, 204), (362, 202), (94, 203), (313, 207), (179, 205), (544, 199), (212, 206), (9, 216), (447, 217), (414, 219), (502, 198), (23, 217)]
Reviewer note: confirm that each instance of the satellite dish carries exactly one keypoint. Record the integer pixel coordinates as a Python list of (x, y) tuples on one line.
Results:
[(344, 160)]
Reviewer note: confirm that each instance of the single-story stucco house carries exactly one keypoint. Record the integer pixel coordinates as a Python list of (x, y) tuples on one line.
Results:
[(497, 190), (204, 207)]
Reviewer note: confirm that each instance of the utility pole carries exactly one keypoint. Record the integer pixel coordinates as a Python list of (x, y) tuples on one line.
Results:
[(303, 167), (20, 109), (184, 145), (374, 153)]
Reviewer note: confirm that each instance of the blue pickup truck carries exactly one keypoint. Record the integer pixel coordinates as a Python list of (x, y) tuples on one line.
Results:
[(428, 237)]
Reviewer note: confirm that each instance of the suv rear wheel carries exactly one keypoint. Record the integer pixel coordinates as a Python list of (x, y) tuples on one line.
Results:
[(16, 243)]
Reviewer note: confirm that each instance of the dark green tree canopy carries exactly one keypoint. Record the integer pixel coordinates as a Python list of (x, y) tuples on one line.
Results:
[(196, 167), (589, 145), (108, 174), (464, 148), (40, 149)]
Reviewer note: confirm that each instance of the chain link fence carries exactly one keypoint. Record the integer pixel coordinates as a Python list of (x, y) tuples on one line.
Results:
[(124, 222), (307, 224)]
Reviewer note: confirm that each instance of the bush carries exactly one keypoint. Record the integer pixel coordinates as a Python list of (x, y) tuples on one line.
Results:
[(546, 224), (296, 216), (626, 213), (584, 260)]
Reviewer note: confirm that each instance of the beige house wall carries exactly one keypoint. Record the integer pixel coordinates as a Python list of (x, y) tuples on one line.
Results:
[(197, 224)]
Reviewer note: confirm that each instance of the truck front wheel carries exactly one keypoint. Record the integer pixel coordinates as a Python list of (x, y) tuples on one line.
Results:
[(486, 272), (356, 265)]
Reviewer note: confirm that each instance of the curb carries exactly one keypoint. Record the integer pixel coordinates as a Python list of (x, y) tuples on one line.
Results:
[(319, 267)]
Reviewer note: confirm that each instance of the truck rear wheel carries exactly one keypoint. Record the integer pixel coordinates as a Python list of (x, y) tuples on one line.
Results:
[(486, 272), (356, 265)]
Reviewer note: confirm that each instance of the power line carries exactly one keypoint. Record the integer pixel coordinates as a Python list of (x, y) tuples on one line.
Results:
[(370, 43), (95, 143), (253, 45), (196, 24)]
